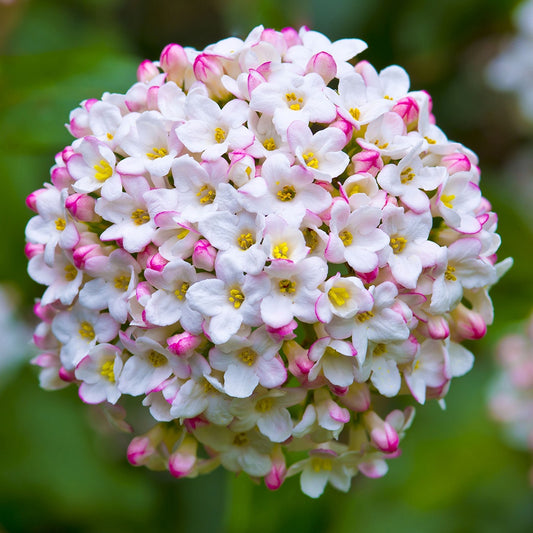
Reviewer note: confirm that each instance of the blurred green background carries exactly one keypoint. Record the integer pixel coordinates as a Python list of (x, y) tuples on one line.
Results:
[(60, 472)]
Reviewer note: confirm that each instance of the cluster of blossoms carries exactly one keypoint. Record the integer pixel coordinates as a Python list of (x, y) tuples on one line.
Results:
[(260, 240), (511, 397), (512, 69)]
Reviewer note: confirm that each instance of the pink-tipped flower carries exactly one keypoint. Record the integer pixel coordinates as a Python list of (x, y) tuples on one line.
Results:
[(174, 62), (156, 262), (468, 324), (209, 70), (324, 65), (204, 255), (408, 109), (147, 71), (31, 250), (438, 327), (382, 435), (182, 462), (275, 478), (367, 161), (81, 207), (456, 162), (183, 343), (140, 450)]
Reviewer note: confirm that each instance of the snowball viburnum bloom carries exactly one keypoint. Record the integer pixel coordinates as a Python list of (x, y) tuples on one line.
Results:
[(263, 242)]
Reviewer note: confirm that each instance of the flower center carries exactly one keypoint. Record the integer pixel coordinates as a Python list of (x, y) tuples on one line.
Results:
[(180, 293), (182, 233), (287, 193), (61, 224), (380, 349), (449, 274), (281, 251), (157, 359), (247, 356), (245, 240), (356, 114), (407, 175), (220, 135), (294, 102), (264, 405), (103, 170), (122, 282), (430, 141), (157, 153), (346, 237), (269, 144), (398, 244), (364, 316), (86, 330), (236, 297), (321, 463), (338, 295), (107, 371), (140, 217), (287, 286), (311, 238), (310, 159), (70, 272), (380, 145), (241, 439), (446, 199), (206, 194)]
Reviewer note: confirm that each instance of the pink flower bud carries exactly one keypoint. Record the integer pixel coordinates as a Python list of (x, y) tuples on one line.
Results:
[(174, 62), (151, 98), (44, 312), (275, 38), (157, 262), (324, 65), (66, 375), (145, 255), (438, 327), (183, 343), (345, 127), (82, 254), (383, 436), (275, 478), (81, 207), (456, 162), (367, 161), (203, 255), (408, 109), (192, 423), (147, 71), (291, 37), (31, 199), (299, 363), (468, 323), (140, 450), (255, 79), (209, 70), (369, 277), (60, 177), (31, 250), (357, 397), (182, 462)]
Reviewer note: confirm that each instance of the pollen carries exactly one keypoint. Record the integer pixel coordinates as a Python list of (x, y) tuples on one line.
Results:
[(398, 244), (140, 217), (281, 251), (364, 316), (208, 388), (311, 238), (206, 194), (269, 144), (356, 114), (182, 233), (70, 272), (287, 286), (220, 135), (430, 141), (381, 146), (295, 103), (447, 199), (380, 349), (338, 295), (346, 237), (236, 297), (61, 224), (310, 159), (353, 188), (318, 464), (248, 356), (449, 274), (109, 136), (103, 170), (241, 439), (86, 331), (387, 97), (264, 405), (156, 153), (407, 175), (122, 282), (287, 193), (245, 240), (157, 359), (180, 293), (107, 371)]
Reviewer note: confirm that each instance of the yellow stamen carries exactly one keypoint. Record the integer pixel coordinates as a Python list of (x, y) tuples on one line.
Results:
[(338, 295), (107, 371), (122, 282), (247, 356), (208, 387), (363, 317), (109, 136), (236, 297), (446, 199), (353, 188), (140, 217), (381, 146), (182, 233), (356, 114), (380, 349), (70, 272), (398, 244), (180, 293), (387, 97), (206, 194), (220, 135), (241, 439), (156, 153), (321, 463), (287, 286), (407, 175), (449, 274), (157, 359), (269, 144), (310, 159), (311, 238), (294, 102), (346, 237), (264, 405), (61, 224), (430, 141), (245, 241), (281, 251), (86, 331), (287, 193), (103, 170)]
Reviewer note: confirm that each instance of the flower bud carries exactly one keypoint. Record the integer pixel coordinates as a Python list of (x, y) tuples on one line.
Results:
[(31, 250), (367, 161), (203, 255), (183, 461), (140, 450), (382, 435), (209, 70), (357, 397), (81, 207), (275, 478), (183, 343), (147, 71), (438, 327), (157, 262), (60, 177), (324, 65), (468, 323), (31, 199), (408, 109), (174, 62)]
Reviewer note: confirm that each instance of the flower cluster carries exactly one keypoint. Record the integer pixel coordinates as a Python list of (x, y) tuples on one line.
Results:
[(511, 397), (260, 240), (512, 69)]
